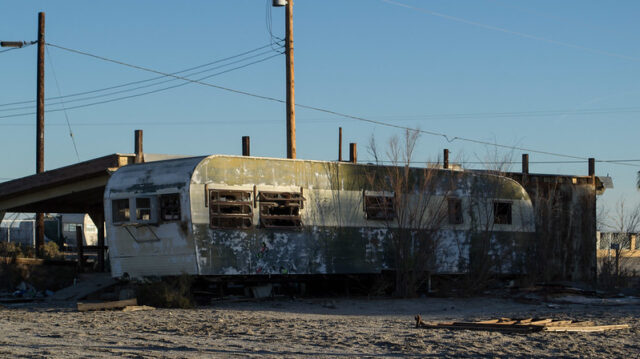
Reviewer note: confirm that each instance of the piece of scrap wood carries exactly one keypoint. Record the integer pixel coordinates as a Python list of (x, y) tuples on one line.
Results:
[(83, 307), (588, 329), (541, 322), (135, 308), (558, 323)]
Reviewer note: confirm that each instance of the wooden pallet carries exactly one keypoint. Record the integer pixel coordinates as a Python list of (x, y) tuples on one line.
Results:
[(528, 325)]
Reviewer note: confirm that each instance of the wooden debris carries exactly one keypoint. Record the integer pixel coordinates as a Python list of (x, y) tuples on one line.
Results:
[(528, 325), (83, 307), (135, 308)]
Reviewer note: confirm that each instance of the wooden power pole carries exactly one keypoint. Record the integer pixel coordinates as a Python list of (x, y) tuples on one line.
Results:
[(40, 128), (291, 111)]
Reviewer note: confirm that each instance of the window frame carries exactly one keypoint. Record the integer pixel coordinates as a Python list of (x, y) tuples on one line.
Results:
[(371, 201), (281, 200), (455, 215), (215, 204), (496, 214), (115, 218), (177, 210)]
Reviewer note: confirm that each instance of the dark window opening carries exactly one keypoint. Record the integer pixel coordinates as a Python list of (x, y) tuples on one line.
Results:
[(379, 207), (230, 209), (501, 213), (455, 211), (170, 207), (143, 209), (120, 210), (280, 209)]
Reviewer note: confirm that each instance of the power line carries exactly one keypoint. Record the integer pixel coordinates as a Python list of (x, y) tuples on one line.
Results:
[(150, 85), (66, 116), (141, 81), (357, 118), (511, 32), (147, 92)]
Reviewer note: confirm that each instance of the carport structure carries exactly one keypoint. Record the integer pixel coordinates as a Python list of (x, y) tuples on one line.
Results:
[(77, 188)]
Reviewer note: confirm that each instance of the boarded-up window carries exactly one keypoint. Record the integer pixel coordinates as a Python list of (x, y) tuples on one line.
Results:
[(501, 212), (379, 207), (143, 209), (120, 210), (230, 209), (280, 209), (170, 207), (455, 211)]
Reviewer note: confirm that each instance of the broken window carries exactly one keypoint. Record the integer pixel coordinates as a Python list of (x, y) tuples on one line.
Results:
[(143, 209), (230, 209), (379, 207), (120, 210), (280, 209), (170, 207), (501, 212), (455, 211)]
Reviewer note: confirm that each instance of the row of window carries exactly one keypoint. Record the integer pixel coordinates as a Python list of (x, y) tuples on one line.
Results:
[(165, 207), (381, 207), (235, 209)]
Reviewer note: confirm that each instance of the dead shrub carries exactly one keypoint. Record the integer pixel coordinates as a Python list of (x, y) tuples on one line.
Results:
[(50, 251), (170, 292)]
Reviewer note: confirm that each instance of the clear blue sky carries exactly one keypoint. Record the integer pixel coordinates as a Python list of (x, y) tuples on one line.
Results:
[(554, 76)]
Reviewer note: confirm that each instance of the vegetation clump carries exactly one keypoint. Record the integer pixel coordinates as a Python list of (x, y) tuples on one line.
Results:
[(170, 292)]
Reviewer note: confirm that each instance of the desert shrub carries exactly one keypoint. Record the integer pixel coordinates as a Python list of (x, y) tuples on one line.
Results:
[(10, 250), (170, 292), (50, 251)]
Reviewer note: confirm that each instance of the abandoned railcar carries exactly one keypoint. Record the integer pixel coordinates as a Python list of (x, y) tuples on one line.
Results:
[(231, 215)]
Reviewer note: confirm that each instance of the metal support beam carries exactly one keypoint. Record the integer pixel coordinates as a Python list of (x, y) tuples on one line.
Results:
[(246, 146), (340, 144), (353, 153), (445, 158), (138, 147), (525, 163)]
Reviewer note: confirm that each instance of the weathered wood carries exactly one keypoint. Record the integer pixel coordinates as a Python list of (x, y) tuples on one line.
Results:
[(83, 307), (586, 329), (136, 308)]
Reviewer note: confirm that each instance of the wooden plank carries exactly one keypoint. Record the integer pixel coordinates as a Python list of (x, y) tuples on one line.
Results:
[(541, 322), (587, 329), (83, 307), (136, 308)]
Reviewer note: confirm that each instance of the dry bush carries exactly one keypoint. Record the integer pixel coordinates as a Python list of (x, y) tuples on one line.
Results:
[(419, 212), (50, 251), (170, 292)]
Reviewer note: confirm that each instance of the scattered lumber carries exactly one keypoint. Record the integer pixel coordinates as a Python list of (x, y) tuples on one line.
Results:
[(528, 325), (83, 307), (135, 308)]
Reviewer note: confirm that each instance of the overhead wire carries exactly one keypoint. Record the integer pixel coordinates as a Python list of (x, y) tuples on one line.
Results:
[(336, 113), (511, 32), (142, 81), (147, 92), (66, 116), (148, 85)]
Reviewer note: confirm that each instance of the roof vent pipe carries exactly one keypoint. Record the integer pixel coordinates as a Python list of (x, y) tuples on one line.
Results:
[(138, 147)]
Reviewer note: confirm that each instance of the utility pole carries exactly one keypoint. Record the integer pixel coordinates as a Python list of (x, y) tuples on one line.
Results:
[(288, 49), (40, 128), (291, 110)]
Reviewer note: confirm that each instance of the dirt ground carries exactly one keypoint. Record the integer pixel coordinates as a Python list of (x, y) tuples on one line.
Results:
[(309, 328)]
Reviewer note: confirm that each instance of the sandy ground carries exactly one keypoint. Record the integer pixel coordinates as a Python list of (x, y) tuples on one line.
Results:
[(309, 328)]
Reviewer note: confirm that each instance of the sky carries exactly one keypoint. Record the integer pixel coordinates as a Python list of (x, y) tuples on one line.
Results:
[(547, 76)]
